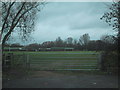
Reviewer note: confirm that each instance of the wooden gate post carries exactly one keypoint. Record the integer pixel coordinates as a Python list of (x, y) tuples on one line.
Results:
[(8, 60), (28, 62), (24, 60)]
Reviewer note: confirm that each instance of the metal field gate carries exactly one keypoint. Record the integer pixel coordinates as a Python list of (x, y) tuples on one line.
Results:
[(64, 61), (15, 60)]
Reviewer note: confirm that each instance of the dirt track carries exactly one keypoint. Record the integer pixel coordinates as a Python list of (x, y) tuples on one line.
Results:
[(47, 79)]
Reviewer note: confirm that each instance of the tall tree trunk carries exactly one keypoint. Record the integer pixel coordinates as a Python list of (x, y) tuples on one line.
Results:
[(0, 65)]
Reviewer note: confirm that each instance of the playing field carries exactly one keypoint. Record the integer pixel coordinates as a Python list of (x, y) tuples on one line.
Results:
[(58, 60)]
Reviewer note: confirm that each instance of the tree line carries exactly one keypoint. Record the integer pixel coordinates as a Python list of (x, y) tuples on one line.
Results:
[(106, 42)]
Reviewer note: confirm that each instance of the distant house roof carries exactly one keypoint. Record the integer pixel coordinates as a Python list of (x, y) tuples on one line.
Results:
[(62, 48), (69, 48)]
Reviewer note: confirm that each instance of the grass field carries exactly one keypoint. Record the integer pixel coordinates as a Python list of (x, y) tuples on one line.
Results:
[(58, 60)]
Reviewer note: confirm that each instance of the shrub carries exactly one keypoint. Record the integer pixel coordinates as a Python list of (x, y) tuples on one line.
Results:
[(109, 62)]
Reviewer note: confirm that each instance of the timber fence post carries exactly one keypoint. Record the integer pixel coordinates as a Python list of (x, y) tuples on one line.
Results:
[(28, 62), (24, 60)]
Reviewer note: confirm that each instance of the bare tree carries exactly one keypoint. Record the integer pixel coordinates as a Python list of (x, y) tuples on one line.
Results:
[(84, 40), (59, 41), (19, 17), (75, 42), (69, 40), (108, 39)]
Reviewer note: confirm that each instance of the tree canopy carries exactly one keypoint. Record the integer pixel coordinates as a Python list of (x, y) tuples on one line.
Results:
[(19, 17), (112, 17)]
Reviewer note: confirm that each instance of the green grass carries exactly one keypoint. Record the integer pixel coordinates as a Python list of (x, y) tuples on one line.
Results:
[(30, 52), (52, 60)]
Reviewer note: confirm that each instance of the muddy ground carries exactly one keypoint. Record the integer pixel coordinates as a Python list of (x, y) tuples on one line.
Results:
[(51, 79)]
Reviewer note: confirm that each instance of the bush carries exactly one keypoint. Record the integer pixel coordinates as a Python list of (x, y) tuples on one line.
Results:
[(109, 62)]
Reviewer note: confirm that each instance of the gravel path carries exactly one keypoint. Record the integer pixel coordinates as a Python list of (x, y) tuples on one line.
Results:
[(54, 80)]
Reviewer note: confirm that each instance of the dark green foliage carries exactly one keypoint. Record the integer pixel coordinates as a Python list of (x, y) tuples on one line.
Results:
[(110, 55), (112, 17), (110, 62)]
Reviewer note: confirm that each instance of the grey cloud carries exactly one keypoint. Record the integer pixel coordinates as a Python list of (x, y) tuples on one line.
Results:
[(75, 15), (70, 19), (61, 8), (93, 22)]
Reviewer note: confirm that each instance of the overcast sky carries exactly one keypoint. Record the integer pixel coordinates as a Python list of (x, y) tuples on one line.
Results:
[(71, 19)]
